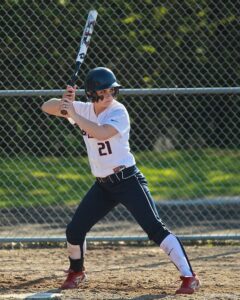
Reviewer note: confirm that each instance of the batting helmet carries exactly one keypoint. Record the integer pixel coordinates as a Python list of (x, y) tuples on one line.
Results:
[(100, 79)]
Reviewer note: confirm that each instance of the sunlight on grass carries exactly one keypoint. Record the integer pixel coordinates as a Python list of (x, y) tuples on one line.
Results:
[(40, 174), (69, 176), (170, 174), (161, 174), (172, 154), (221, 177), (74, 202), (50, 159), (63, 188), (38, 192)]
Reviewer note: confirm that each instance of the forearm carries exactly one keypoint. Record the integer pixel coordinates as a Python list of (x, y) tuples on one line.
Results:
[(99, 132), (52, 107)]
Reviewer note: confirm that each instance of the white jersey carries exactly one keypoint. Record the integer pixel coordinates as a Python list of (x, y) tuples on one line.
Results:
[(105, 155)]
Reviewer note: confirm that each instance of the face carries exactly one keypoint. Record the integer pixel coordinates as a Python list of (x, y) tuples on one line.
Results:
[(106, 97)]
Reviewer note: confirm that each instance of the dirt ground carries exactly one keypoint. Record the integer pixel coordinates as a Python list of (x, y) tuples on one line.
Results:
[(122, 272)]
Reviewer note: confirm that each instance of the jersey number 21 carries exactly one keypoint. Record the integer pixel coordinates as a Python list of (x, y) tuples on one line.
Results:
[(104, 148)]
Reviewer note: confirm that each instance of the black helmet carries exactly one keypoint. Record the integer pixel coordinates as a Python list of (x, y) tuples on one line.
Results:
[(100, 79)]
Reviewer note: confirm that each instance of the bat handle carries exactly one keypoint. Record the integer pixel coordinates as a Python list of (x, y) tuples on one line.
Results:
[(71, 83)]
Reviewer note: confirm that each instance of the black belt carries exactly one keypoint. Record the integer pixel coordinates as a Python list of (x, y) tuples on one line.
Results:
[(118, 176)]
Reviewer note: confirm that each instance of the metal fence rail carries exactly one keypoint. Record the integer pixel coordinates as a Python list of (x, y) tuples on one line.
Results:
[(177, 62), (156, 91)]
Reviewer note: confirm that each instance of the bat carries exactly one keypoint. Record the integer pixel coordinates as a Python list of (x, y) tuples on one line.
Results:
[(84, 44)]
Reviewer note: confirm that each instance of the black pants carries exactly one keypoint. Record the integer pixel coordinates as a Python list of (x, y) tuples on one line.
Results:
[(128, 187)]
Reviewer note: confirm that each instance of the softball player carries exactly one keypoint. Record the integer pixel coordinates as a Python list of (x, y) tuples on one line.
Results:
[(105, 126)]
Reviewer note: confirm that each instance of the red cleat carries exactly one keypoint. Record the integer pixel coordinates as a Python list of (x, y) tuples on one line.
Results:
[(189, 285), (73, 279)]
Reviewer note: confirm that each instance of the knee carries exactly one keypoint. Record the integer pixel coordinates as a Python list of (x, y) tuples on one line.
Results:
[(74, 235), (159, 236)]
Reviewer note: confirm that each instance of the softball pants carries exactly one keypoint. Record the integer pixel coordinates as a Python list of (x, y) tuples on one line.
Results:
[(128, 187)]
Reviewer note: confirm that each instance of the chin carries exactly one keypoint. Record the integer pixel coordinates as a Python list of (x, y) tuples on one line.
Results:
[(108, 102)]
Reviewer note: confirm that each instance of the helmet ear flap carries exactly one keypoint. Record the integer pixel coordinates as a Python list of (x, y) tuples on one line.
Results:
[(116, 91)]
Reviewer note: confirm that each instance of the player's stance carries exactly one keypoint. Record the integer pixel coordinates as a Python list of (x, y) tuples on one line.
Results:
[(105, 126)]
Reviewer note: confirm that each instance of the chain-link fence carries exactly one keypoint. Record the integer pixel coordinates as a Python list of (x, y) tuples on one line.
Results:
[(187, 145)]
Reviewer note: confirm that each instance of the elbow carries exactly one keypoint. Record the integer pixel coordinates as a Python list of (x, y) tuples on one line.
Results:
[(100, 136), (51, 107), (43, 107), (106, 132), (104, 136)]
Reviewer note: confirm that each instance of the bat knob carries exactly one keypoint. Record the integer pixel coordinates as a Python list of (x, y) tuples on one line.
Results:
[(64, 112)]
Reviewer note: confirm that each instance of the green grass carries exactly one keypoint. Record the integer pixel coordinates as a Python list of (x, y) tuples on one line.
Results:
[(172, 175)]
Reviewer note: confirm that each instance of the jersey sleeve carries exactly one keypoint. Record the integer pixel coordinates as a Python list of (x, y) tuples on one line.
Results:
[(119, 119), (79, 107)]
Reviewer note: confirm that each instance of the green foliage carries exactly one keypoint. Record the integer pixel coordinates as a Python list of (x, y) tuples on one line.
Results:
[(175, 42)]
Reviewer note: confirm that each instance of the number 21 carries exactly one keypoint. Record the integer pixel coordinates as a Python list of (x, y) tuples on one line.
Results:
[(104, 148)]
